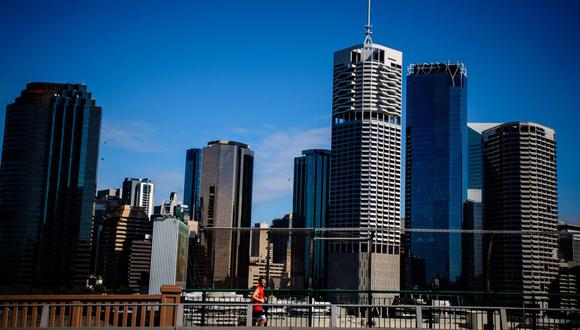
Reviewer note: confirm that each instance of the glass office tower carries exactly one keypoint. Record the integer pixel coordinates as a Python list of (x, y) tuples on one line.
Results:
[(192, 184), (226, 202), (310, 210), (47, 186), (436, 173)]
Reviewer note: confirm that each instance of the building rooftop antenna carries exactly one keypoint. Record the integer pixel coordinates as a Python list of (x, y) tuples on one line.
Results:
[(368, 32)]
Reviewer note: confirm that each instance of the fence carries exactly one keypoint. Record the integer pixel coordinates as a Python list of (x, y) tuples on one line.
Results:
[(213, 309), (91, 310)]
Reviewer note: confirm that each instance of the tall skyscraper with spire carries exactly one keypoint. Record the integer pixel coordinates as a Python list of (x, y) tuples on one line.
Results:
[(365, 188)]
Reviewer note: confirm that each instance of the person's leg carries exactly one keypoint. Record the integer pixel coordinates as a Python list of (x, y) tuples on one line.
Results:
[(262, 320)]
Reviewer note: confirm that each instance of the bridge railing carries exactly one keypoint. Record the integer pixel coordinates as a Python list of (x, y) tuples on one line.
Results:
[(48, 311), (188, 314)]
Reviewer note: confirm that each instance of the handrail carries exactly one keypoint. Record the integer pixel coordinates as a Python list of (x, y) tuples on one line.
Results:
[(433, 292)]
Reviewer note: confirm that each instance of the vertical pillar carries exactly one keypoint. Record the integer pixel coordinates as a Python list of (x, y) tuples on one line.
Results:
[(170, 298), (76, 314)]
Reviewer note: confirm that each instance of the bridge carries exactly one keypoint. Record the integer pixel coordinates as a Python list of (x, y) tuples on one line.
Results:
[(176, 309)]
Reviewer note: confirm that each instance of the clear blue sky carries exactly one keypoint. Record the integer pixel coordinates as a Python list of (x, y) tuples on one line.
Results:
[(173, 75)]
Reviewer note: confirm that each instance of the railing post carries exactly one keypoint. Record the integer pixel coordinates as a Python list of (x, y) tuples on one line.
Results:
[(203, 301), (503, 319), (179, 320), (170, 297), (44, 316), (419, 317), (76, 315), (249, 315), (333, 316)]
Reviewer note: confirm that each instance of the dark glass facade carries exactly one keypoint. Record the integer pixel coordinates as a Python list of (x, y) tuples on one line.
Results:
[(473, 246), (47, 186), (310, 210), (191, 188), (226, 202), (436, 174)]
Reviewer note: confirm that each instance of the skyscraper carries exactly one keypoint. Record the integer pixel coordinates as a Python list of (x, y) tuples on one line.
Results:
[(47, 186), (365, 179), (520, 194), (436, 172), (474, 244), (139, 192), (226, 201), (192, 184), (120, 227), (310, 210)]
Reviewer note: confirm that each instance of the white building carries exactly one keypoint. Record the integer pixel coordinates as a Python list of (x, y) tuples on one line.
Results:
[(139, 192), (169, 253)]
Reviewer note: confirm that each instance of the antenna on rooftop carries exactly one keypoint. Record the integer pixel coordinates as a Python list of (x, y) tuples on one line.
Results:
[(368, 31)]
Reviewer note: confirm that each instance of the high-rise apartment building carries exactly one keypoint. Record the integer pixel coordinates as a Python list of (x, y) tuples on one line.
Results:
[(47, 186), (310, 210), (365, 179), (520, 194), (139, 192), (435, 182), (226, 202), (191, 190)]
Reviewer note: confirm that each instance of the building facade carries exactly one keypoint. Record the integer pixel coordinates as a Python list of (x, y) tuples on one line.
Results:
[(520, 194), (474, 247), (226, 202), (119, 228), (365, 176), (192, 186), (47, 186), (139, 192), (169, 253), (435, 182), (310, 210)]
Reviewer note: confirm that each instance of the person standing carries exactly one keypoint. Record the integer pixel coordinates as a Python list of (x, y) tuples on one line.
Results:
[(258, 298)]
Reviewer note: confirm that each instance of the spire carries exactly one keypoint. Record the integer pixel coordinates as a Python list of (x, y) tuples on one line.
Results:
[(368, 41)]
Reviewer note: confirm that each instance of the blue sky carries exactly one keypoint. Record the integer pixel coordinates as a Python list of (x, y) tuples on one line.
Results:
[(172, 75)]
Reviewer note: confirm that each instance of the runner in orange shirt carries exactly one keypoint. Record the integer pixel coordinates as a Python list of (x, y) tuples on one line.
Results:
[(258, 298)]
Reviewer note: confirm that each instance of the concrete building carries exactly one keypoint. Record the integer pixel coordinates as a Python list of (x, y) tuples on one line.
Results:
[(365, 179), (120, 227), (282, 245), (139, 264), (262, 259), (226, 202), (259, 243), (568, 283), (47, 187), (139, 192), (436, 172), (169, 253), (520, 194), (310, 210)]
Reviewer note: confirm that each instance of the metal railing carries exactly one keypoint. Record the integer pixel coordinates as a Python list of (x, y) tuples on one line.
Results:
[(393, 316), (283, 315)]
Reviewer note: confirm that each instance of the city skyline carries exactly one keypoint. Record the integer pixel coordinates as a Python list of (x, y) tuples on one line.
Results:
[(134, 95)]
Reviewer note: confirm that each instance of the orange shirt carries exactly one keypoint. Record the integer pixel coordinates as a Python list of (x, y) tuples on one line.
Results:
[(257, 307)]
